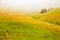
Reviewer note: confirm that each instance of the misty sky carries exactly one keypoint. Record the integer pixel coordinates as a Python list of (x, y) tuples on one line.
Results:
[(29, 5)]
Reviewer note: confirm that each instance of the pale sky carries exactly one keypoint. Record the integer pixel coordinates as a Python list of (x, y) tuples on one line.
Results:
[(29, 5)]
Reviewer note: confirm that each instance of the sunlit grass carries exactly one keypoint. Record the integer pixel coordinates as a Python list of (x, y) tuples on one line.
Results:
[(52, 16), (22, 30), (25, 28)]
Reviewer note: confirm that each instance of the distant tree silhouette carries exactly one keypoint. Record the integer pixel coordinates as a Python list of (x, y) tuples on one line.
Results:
[(43, 10), (50, 9)]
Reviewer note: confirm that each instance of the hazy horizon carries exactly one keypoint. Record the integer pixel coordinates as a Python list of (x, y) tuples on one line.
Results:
[(29, 5)]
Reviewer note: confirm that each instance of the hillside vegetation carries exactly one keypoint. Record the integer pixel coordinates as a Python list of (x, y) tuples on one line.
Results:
[(52, 16), (25, 28), (36, 15)]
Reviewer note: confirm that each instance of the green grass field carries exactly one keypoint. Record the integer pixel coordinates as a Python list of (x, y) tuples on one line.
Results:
[(52, 16), (26, 28)]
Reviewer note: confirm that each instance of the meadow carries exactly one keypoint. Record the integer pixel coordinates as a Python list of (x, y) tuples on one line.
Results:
[(22, 27)]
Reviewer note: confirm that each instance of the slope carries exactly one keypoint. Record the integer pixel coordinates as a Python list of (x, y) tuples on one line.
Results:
[(25, 28), (52, 16), (36, 15)]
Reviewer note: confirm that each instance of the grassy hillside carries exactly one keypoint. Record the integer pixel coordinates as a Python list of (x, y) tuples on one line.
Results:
[(36, 15), (25, 28), (52, 16), (11, 11)]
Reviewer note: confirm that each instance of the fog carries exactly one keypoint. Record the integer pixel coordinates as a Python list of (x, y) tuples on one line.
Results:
[(29, 5)]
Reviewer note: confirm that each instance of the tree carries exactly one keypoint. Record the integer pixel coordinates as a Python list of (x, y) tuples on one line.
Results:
[(50, 9), (43, 10)]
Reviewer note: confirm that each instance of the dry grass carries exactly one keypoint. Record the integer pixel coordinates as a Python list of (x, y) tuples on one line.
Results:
[(25, 28)]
